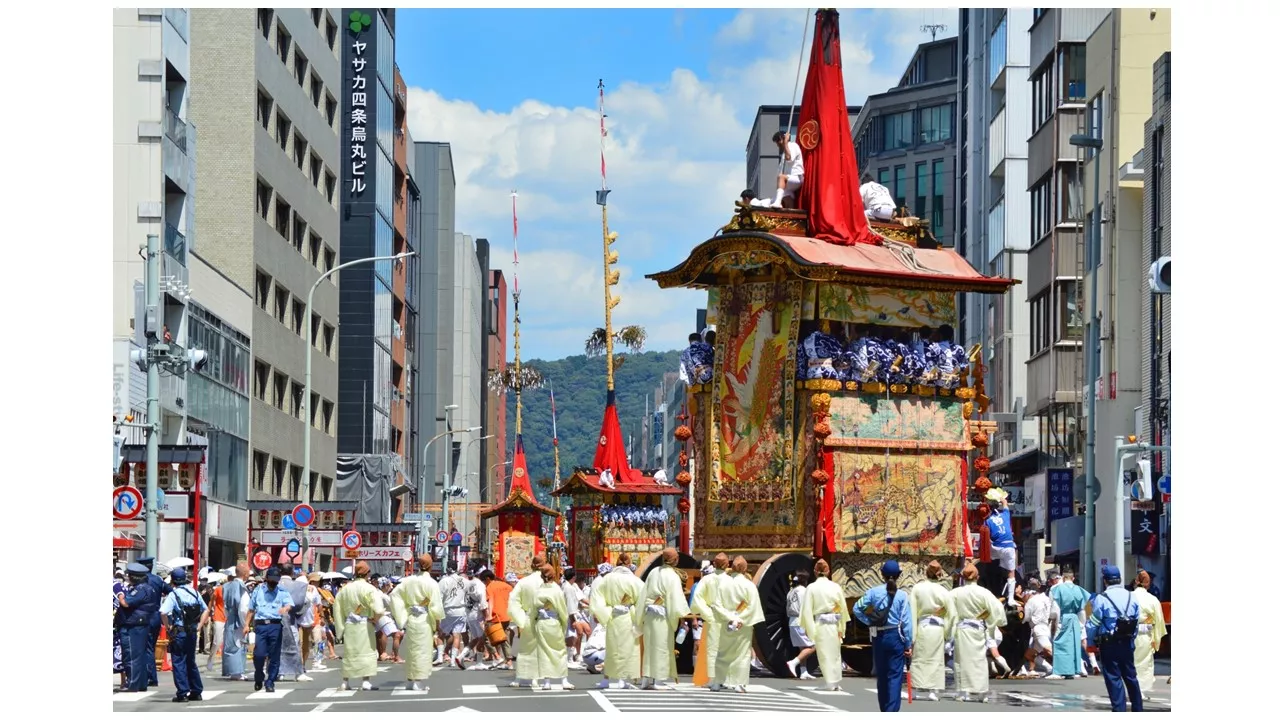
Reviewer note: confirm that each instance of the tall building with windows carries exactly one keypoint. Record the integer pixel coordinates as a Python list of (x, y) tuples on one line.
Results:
[(154, 188), (1118, 86), (762, 153), (992, 224), (1055, 261), (266, 89), (906, 137)]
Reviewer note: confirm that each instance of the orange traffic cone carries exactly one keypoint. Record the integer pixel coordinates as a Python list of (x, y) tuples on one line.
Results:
[(162, 643)]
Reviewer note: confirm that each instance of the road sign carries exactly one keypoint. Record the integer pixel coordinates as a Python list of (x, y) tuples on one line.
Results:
[(293, 547), (1164, 485), (303, 515), (351, 540), (1135, 491), (442, 536), (288, 524), (126, 502), (262, 559), (455, 539), (319, 538), (385, 553)]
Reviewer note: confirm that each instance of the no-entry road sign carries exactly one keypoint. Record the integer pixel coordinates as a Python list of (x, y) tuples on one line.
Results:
[(351, 540)]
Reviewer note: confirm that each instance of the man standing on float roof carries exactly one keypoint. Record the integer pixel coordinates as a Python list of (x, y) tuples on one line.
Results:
[(792, 175), (1003, 547)]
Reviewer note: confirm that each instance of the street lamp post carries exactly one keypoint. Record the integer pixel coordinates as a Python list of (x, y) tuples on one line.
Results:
[(479, 480), (306, 395), (422, 486), (1091, 361)]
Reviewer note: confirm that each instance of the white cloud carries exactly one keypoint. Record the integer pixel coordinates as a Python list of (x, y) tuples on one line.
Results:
[(676, 162)]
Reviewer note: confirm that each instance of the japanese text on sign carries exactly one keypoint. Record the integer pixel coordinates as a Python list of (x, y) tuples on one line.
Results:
[(1061, 494), (359, 118)]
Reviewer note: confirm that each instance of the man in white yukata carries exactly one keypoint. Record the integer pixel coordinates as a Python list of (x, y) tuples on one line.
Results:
[(523, 609), (477, 610), (356, 609), (453, 593), (824, 613), (705, 595), (1041, 613), (933, 614), (416, 605), (615, 598), (976, 612), (877, 200), (1151, 630), (663, 605), (737, 609)]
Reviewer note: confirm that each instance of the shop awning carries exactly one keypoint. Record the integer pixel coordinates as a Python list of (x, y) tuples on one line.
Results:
[(1016, 460), (169, 454)]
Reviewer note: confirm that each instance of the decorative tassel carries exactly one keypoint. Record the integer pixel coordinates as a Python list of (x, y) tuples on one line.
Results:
[(985, 535)]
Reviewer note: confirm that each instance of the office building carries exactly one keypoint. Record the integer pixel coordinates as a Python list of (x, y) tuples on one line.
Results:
[(495, 462), (373, 405), (1157, 310), (992, 233), (905, 137), (1120, 55), (153, 151), (266, 88), (762, 152)]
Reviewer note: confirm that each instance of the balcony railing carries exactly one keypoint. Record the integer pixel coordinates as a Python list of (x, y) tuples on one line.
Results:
[(175, 129)]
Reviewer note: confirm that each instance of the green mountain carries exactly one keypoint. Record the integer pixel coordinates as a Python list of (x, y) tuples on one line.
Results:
[(579, 383)]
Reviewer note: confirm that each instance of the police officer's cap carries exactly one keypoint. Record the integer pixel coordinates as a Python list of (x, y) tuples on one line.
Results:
[(1111, 572), (136, 569), (891, 569), (273, 572), (178, 576), (148, 562)]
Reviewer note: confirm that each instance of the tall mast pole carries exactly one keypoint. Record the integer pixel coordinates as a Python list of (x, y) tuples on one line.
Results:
[(555, 441), (515, 295), (610, 256)]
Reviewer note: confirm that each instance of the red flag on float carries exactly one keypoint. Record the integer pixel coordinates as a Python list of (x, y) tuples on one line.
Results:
[(520, 471), (611, 452), (831, 194)]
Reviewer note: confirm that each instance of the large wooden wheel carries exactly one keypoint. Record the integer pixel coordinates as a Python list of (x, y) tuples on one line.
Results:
[(773, 636), (685, 657)]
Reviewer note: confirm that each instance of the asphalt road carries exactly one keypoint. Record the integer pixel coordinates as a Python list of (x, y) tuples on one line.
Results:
[(487, 691)]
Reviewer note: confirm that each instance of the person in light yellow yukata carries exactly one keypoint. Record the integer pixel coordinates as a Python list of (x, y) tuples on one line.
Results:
[(704, 596), (977, 611), (737, 609), (1151, 630), (552, 620), (356, 609), (615, 602), (416, 607), (824, 614), (932, 610), (663, 606), (520, 607)]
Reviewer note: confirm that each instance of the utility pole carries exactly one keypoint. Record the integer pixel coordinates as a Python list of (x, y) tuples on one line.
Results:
[(1123, 450), (160, 354)]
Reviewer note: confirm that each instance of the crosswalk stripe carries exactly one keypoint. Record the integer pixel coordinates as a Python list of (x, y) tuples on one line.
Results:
[(335, 692), (211, 694), (132, 697), (264, 695), (479, 689)]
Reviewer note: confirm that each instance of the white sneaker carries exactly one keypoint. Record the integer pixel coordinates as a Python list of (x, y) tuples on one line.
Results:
[(792, 665), (663, 686), (366, 685), (715, 687), (604, 685), (566, 685), (931, 696), (304, 678), (345, 686)]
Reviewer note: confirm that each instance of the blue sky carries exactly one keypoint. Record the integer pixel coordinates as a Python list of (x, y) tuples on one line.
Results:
[(514, 93)]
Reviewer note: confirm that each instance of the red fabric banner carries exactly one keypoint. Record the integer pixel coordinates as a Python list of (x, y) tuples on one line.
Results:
[(611, 451), (520, 470), (831, 194), (825, 525), (964, 507)]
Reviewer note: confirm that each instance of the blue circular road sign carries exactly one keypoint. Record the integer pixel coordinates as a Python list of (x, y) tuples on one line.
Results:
[(456, 539), (303, 515), (288, 523)]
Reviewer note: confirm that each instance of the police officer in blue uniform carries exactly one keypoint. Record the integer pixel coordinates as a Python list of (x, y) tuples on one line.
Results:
[(267, 608), (184, 612), (141, 603), (162, 588), (888, 613), (1112, 628)]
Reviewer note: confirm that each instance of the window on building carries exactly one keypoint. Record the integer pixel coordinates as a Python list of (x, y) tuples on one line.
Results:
[(315, 410), (314, 255), (300, 65), (317, 171), (1071, 60), (330, 184), (900, 185), (261, 373), (317, 90), (896, 131), (328, 340), (1037, 13), (1096, 119), (883, 179), (1071, 319), (283, 125), (315, 16), (1070, 207), (1041, 209), (922, 190), (331, 32), (279, 386), (1040, 323), (265, 103), (1043, 102), (315, 330), (328, 263), (259, 470), (295, 399), (327, 416), (331, 110), (299, 316), (939, 195), (300, 151), (299, 233), (326, 486), (278, 470), (1093, 239), (283, 42), (935, 123), (264, 199), (265, 16), (262, 289), (284, 214), (282, 303)]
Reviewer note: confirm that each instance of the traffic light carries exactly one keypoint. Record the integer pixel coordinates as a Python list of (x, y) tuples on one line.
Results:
[(139, 358), (1143, 481), (197, 359), (1160, 277), (611, 275), (117, 454)]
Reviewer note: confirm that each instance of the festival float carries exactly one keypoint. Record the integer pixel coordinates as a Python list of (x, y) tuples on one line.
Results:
[(520, 528), (614, 508), (839, 419)]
